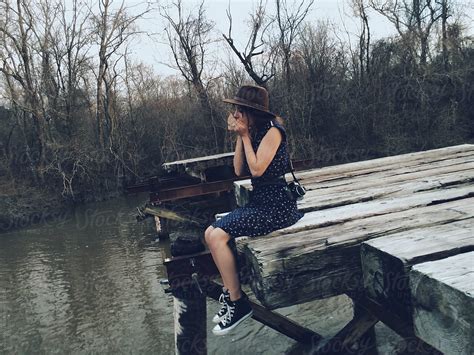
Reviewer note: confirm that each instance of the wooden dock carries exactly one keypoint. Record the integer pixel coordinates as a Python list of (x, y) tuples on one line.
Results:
[(396, 234), (366, 226)]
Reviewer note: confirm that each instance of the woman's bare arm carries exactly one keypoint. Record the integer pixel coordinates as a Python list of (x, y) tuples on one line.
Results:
[(266, 151), (239, 157)]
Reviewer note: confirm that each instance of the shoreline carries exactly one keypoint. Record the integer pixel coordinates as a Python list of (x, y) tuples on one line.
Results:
[(33, 206)]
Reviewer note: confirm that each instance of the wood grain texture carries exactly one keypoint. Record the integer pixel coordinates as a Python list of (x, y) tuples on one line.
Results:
[(443, 294), (323, 186), (319, 256), (386, 261)]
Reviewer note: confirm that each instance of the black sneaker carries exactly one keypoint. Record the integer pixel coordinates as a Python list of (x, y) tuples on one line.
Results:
[(224, 299), (237, 312)]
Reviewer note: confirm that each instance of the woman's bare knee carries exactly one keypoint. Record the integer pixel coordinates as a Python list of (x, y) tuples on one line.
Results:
[(217, 238), (207, 233)]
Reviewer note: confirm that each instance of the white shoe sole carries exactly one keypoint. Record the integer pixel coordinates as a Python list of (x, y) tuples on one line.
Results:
[(218, 331)]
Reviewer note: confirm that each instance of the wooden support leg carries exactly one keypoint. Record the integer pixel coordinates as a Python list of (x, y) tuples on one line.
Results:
[(367, 344), (190, 327), (402, 327), (349, 339), (189, 302)]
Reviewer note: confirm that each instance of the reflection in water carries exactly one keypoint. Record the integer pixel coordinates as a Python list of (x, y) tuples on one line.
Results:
[(83, 284)]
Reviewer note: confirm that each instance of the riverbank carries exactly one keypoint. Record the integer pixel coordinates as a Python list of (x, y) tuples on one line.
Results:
[(22, 206)]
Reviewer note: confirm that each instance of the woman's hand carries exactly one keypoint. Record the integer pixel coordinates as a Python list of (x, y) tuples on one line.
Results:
[(242, 126)]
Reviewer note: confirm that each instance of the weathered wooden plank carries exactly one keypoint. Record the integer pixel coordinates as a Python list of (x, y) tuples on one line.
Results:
[(302, 263), (392, 162), (338, 197), (443, 294), (345, 173), (388, 168), (360, 227), (395, 161), (198, 160), (395, 176), (386, 261), (377, 189), (321, 186), (316, 219), (169, 214), (197, 167)]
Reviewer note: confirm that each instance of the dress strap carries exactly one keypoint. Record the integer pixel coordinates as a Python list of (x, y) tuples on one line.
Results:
[(280, 127)]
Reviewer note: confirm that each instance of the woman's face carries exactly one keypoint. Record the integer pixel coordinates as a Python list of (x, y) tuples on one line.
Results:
[(237, 111), (240, 114)]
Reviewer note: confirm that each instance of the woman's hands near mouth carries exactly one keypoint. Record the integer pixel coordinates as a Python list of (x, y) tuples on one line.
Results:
[(242, 126)]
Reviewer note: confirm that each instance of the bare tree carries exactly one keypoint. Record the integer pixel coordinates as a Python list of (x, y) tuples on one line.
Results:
[(289, 22), (70, 47), (113, 27), (188, 34), (445, 14), (413, 21), (260, 25), (320, 54), (24, 60), (360, 8)]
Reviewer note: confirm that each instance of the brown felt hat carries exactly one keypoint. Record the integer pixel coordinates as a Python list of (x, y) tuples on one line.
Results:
[(252, 96)]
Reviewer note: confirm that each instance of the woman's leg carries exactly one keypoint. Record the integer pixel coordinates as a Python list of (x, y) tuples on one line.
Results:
[(217, 240)]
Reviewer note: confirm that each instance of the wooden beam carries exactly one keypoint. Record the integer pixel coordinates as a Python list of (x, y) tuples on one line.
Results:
[(199, 163), (181, 268), (386, 261), (191, 190), (443, 295), (169, 214), (401, 326), (342, 342), (319, 256)]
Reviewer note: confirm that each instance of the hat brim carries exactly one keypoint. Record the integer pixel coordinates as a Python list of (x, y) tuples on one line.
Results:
[(240, 103)]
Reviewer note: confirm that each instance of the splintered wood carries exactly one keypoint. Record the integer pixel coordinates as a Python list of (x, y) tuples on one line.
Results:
[(423, 200)]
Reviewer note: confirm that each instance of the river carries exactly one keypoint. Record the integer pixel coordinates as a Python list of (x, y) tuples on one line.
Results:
[(85, 283)]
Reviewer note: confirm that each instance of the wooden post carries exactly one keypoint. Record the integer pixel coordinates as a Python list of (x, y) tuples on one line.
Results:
[(189, 305), (353, 335), (190, 325), (367, 344)]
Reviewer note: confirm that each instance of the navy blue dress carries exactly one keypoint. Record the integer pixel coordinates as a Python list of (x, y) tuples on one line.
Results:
[(269, 207)]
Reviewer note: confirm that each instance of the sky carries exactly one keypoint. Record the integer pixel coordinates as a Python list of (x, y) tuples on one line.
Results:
[(154, 51)]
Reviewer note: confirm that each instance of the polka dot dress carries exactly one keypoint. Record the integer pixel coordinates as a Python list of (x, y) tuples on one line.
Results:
[(269, 207)]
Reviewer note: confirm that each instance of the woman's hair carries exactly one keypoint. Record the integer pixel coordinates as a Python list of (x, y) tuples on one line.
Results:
[(260, 118)]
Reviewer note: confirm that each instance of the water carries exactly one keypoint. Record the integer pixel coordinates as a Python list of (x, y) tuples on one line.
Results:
[(86, 284)]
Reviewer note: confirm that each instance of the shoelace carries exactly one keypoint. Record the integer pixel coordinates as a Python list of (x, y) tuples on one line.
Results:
[(228, 316), (222, 301), (221, 298)]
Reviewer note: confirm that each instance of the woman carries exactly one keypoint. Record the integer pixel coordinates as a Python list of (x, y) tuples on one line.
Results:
[(261, 151)]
